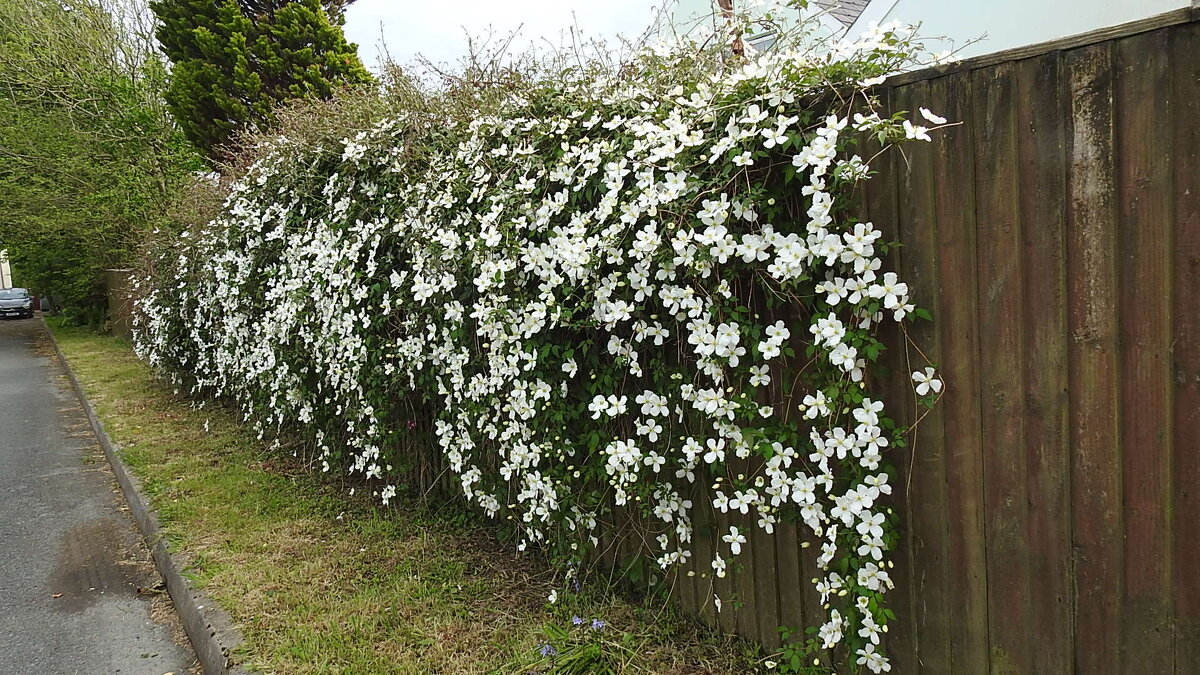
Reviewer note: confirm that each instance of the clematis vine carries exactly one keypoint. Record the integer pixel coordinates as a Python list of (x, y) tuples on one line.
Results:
[(600, 285)]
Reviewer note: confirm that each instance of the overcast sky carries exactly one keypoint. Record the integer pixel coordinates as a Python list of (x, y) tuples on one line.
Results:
[(435, 28)]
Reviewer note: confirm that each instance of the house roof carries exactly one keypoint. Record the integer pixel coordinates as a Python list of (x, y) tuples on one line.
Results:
[(845, 11)]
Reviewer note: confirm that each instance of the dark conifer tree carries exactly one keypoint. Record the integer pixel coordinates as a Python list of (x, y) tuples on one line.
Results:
[(235, 60)]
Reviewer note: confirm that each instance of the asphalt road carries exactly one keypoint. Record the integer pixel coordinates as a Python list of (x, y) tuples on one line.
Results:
[(77, 590)]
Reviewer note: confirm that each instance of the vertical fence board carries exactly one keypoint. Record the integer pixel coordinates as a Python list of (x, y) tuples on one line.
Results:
[(957, 318), (743, 580), (766, 594), (684, 576), (703, 548), (1185, 54), (683, 590), (810, 547), (1092, 361), (789, 579), (1144, 184), (725, 588), (919, 229), (1001, 355), (881, 205), (1042, 177)]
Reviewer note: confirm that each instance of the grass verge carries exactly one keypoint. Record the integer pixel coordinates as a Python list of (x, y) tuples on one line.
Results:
[(320, 581)]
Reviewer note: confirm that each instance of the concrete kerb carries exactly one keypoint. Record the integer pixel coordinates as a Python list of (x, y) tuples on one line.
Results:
[(209, 628)]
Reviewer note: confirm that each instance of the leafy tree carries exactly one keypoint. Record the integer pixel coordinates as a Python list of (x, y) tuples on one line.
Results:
[(88, 152), (235, 60)]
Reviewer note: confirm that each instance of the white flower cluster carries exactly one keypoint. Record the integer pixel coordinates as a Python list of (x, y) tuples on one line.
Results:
[(568, 283)]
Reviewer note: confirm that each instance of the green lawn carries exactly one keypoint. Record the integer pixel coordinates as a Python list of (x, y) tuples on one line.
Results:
[(319, 581)]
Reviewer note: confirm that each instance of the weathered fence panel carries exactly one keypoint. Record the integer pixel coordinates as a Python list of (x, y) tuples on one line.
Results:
[(1051, 501), (1051, 498)]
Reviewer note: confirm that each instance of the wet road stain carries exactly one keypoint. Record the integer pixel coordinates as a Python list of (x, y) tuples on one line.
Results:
[(93, 560)]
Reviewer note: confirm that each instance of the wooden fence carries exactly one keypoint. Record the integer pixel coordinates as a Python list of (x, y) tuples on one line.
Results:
[(1050, 503), (1051, 507), (119, 317)]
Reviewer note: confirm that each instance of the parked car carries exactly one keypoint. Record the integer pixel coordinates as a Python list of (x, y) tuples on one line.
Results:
[(16, 302)]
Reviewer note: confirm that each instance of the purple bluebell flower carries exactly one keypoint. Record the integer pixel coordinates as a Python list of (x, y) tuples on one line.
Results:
[(577, 620), (597, 624), (548, 650)]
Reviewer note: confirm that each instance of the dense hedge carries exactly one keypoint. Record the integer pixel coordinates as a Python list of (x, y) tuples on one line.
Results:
[(592, 279)]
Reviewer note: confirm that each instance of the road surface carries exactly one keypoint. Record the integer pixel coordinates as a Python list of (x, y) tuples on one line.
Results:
[(77, 591)]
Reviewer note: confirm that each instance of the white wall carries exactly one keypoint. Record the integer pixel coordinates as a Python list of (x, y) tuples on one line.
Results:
[(1015, 23), (1006, 23), (686, 15)]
